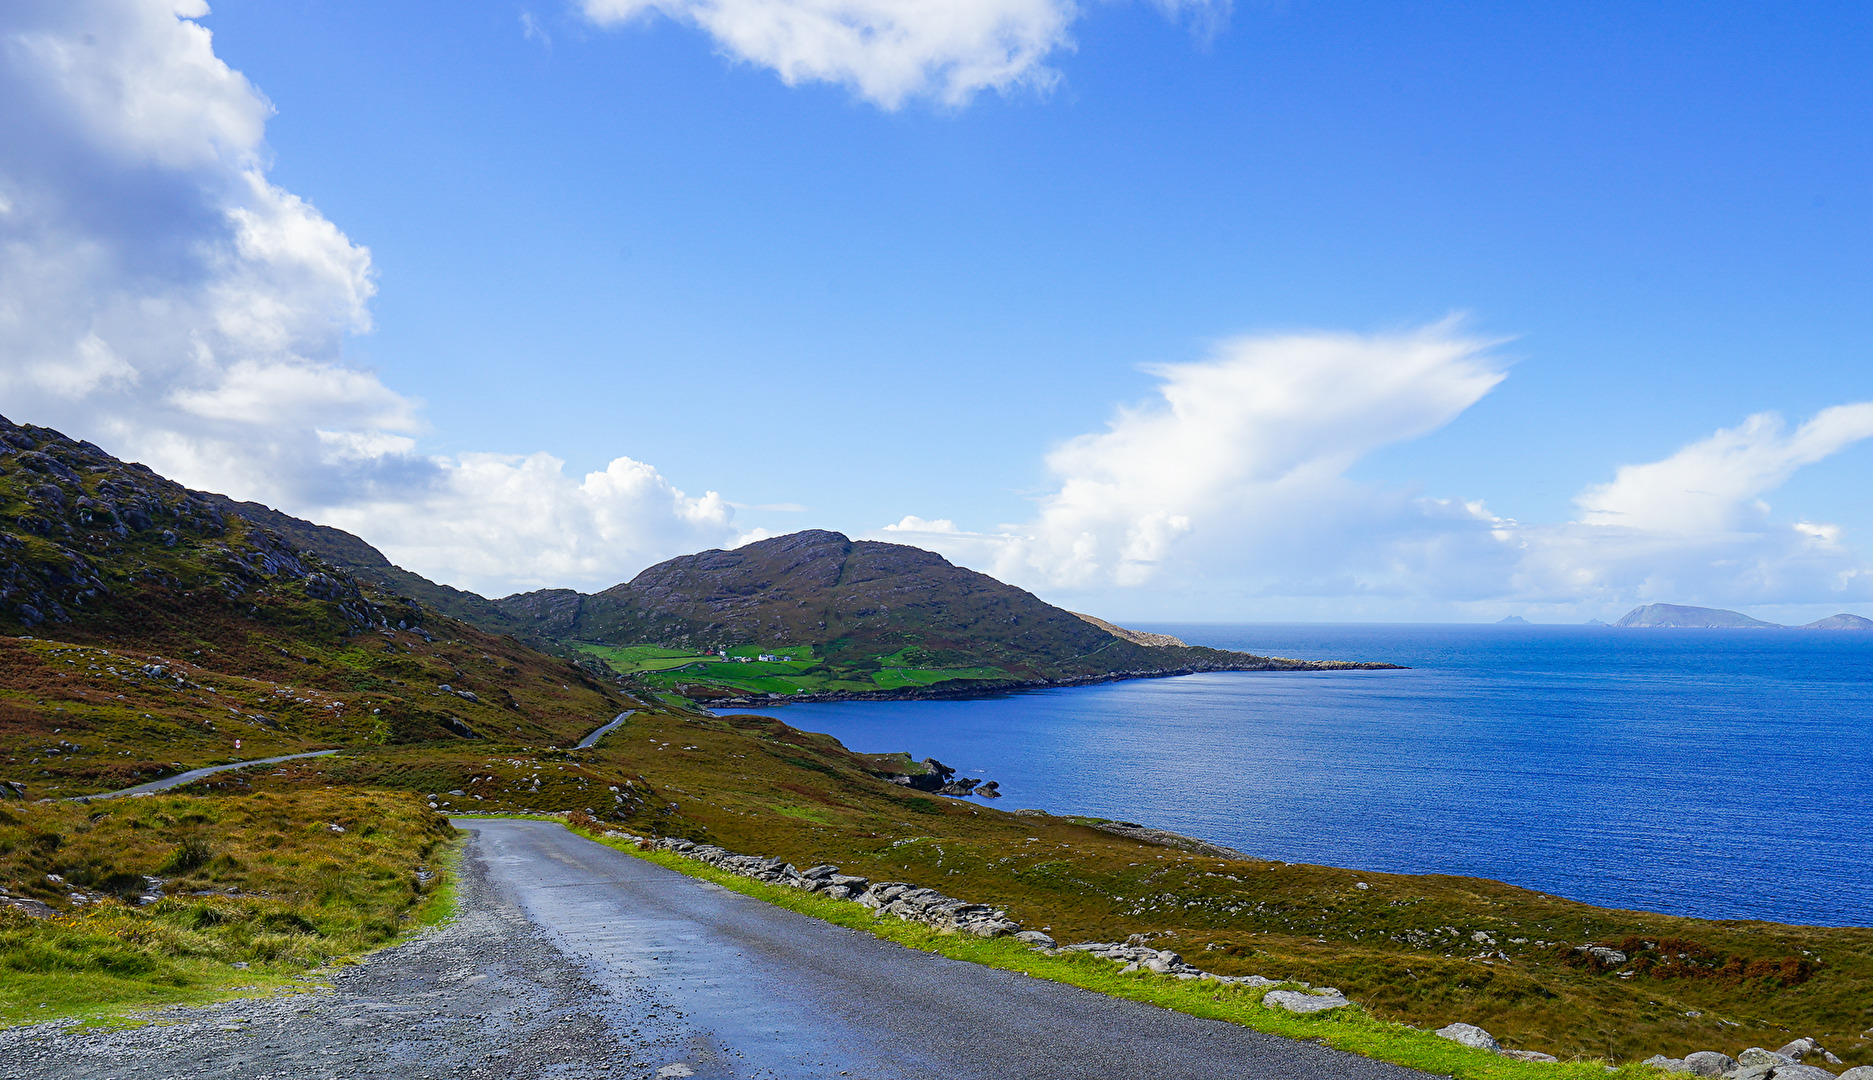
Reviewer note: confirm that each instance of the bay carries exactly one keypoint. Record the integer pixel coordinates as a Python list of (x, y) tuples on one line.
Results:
[(1715, 773)]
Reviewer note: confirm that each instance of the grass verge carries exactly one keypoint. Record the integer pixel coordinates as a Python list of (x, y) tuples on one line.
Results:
[(258, 893), (1351, 1029)]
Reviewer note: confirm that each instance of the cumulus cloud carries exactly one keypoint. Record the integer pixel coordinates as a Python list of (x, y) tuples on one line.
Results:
[(1228, 495), (889, 51), (156, 291), (160, 296), (501, 523), (1248, 446)]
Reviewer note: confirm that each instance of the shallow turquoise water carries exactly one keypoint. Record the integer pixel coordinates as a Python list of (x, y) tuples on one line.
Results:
[(1724, 774)]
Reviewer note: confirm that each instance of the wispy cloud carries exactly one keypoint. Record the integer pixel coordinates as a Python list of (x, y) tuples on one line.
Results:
[(891, 51), (1227, 496), (531, 29)]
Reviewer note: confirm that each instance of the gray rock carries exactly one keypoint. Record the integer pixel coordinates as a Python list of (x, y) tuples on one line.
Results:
[(1798, 1049), (1802, 1072), (1764, 1071), (1709, 1063), (1035, 939), (1531, 1055), (1603, 954), (1756, 1055), (1666, 1064), (1858, 1072), (1469, 1035), (1297, 1002)]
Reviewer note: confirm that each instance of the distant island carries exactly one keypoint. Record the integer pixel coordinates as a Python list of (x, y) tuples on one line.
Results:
[(1680, 616), (1513, 620)]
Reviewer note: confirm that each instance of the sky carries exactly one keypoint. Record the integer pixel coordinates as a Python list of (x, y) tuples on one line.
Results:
[(1171, 311)]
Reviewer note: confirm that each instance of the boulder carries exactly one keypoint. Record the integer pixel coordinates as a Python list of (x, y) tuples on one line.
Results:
[(1858, 1072), (1531, 1055), (1035, 939), (1665, 1064), (1802, 1072), (1709, 1063), (1296, 1001), (1469, 1035), (1756, 1055)]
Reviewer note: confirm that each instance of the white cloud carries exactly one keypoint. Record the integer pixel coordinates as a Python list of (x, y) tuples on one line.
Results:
[(1228, 497), (1712, 486), (497, 523), (889, 51), (159, 296), (1252, 444), (156, 290)]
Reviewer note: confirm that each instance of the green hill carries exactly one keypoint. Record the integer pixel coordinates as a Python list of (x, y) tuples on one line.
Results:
[(853, 617)]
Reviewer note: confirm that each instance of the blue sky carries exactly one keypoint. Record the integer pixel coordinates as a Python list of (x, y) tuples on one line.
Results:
[(596, 239)]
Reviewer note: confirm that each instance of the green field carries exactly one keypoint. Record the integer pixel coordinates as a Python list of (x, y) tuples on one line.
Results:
[(804, 673)]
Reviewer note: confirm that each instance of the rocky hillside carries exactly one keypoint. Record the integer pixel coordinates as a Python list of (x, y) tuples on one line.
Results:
[(145, 627), (855, 602)]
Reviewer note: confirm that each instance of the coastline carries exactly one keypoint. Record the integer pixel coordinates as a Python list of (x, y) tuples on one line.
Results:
[(971, 688)]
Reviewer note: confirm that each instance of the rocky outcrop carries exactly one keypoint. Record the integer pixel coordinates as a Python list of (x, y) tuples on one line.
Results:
[(1756, 1063), (84, 536), (1136, 637), (1162, 838)]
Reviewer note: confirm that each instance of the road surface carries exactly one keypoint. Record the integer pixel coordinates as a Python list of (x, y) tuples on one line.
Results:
[(592, 740), (196, 774), (571, 960)]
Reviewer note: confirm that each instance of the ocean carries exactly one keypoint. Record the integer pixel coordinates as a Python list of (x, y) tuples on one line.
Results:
[(1717, 773)]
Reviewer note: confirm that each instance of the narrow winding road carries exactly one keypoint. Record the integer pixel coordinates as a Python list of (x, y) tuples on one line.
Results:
[(570, 960), (193, 775)]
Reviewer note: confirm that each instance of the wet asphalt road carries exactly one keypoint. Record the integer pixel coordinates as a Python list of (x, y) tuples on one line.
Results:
[(571, 960)]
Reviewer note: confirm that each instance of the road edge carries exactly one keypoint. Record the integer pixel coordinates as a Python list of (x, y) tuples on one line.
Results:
[(1351, 1029)]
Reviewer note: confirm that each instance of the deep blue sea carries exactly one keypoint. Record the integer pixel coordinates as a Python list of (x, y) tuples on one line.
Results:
[(1716, 773)]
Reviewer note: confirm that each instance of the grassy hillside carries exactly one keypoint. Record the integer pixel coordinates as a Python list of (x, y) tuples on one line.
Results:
[(179, 899), (877, 617)]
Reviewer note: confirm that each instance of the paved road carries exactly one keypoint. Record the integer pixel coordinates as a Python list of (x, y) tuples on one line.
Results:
[(196, 774), (592, 740), (758, 991), (574, 961)]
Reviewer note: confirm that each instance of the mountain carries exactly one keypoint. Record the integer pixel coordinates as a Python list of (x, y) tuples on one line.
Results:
[(173, 627), (1677, 615), (853, 616), (1839, 622), (367, 564), (1513, 620)]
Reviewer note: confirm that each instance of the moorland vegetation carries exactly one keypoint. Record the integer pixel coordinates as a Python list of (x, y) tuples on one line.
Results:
[(149, 629)]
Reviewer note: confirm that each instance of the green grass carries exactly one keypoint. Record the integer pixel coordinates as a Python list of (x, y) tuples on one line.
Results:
[(262, 881), (1351, 1029)]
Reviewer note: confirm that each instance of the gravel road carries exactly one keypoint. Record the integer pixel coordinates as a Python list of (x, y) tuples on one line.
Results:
[(570, 960)]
